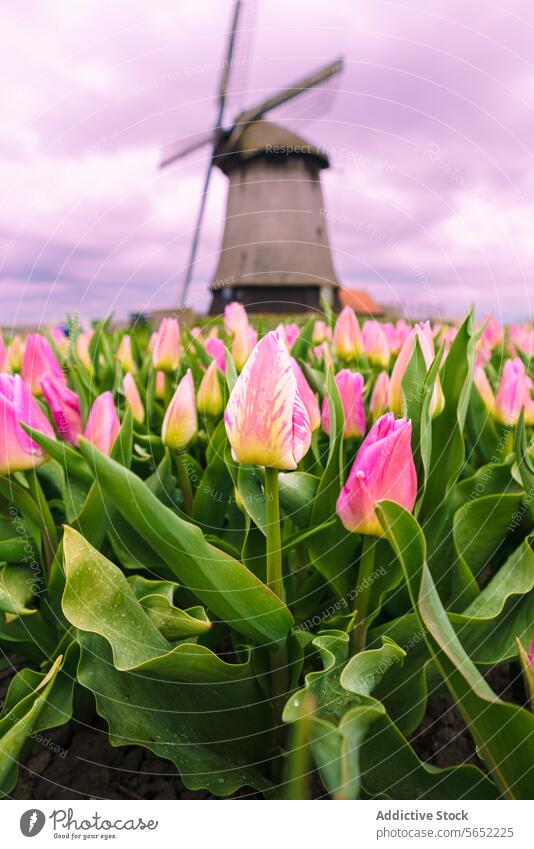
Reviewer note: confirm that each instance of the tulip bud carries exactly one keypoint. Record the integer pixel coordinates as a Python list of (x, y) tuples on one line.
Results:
[(375, 343), (492, 335), (215, 348), (319, 332), (15, 352), (17, 450), (484, 387), (383, 469), (180, 421), (292, 332), (167, 349), (510, 395), (379, 396), (347, 338), (244, 341), (350, 388), (38, 362), (323, 352), (125, 355), (309, 399), (160, 385), (133, 398), (266, 420), (103, 423), (235, 318), (209, 397), (82, 349), (423, 333), (65, 408)]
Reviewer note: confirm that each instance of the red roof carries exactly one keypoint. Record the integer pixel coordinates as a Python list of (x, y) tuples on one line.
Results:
[(360, 302)]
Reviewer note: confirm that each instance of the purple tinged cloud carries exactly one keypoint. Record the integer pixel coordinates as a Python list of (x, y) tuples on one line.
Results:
[(430, 196)]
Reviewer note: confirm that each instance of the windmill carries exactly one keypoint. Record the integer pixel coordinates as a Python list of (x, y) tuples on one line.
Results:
[(275, 254)]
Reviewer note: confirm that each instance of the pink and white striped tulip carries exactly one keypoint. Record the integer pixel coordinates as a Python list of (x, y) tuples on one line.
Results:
[(383, 469), (167, 349), (133, 398), (38, 362), (180, 421), (309, 397), (511, 392), (347, 339), (103, 423), (64, 405), (379, 396), (266, 419), (375, 344), (17, 450), (350, 388)]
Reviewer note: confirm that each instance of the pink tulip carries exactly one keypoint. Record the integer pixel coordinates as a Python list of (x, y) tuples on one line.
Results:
[(180, 421), (209, 398), (235, 318), (64, 405), (350, 388), (383, 469), (511, 392), (103, 423), (319, 332), (266, 419), (60, 340), (375, 344), (215, 348), (309, 399), (521, 338), (125, 355), (167, 349), (379, 396), (160, 385), (245, 339), (423, 334), (323, 352), (38, 362), (493, 334), (133, 398), (17, 450), (484, 387), (347, 339), (292, 332), (15, 352), (3, 354)]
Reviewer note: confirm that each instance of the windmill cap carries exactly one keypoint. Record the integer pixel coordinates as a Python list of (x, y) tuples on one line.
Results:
[(264, 138)]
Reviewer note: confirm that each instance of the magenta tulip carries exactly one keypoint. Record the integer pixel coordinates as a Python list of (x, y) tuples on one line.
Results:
[(350, 388), (17, 450), (38, 362), (103, 423), (492, 334), (309, 397), (383, 469), (347, 339), (64, 405), (266, 419)]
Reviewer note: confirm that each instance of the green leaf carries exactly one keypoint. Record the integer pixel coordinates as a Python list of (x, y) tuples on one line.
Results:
[(18, 585), (223, 584)]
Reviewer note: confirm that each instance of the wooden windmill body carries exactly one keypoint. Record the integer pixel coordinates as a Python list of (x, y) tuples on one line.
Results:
[(275, 255)]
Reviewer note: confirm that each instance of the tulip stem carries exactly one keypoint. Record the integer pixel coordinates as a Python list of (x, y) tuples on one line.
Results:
[(274, 544), (363, 593), (184, 480)]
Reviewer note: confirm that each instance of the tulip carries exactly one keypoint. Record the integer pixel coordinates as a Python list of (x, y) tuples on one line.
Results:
[(167, 349), (17, 450), (38, 362), (215, 348), (15, 352), (235, 318), (379, 396), (375, 344), (323, 352), (266, 420), (64, 405), (160, 385), (423, 334), (492, 335), (244, 341), (350, 388), (124, 354), (309, 398), (180, 421), (383, 469), (60, 340), (209, 397), (320, 332), (292, 332), (511, 392), (484, 387), (133, 398), (82, 349), (528, 403), (347, 338), (3, 354), (103, 423), (521, 338)]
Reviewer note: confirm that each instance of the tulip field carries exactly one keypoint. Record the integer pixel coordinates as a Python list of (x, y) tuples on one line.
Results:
[(265, 555)]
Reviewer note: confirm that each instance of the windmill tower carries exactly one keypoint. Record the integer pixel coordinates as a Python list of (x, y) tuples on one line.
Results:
[(275, 254)]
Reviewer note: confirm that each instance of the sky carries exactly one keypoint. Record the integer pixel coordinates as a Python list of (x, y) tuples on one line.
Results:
[(430, 193)]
